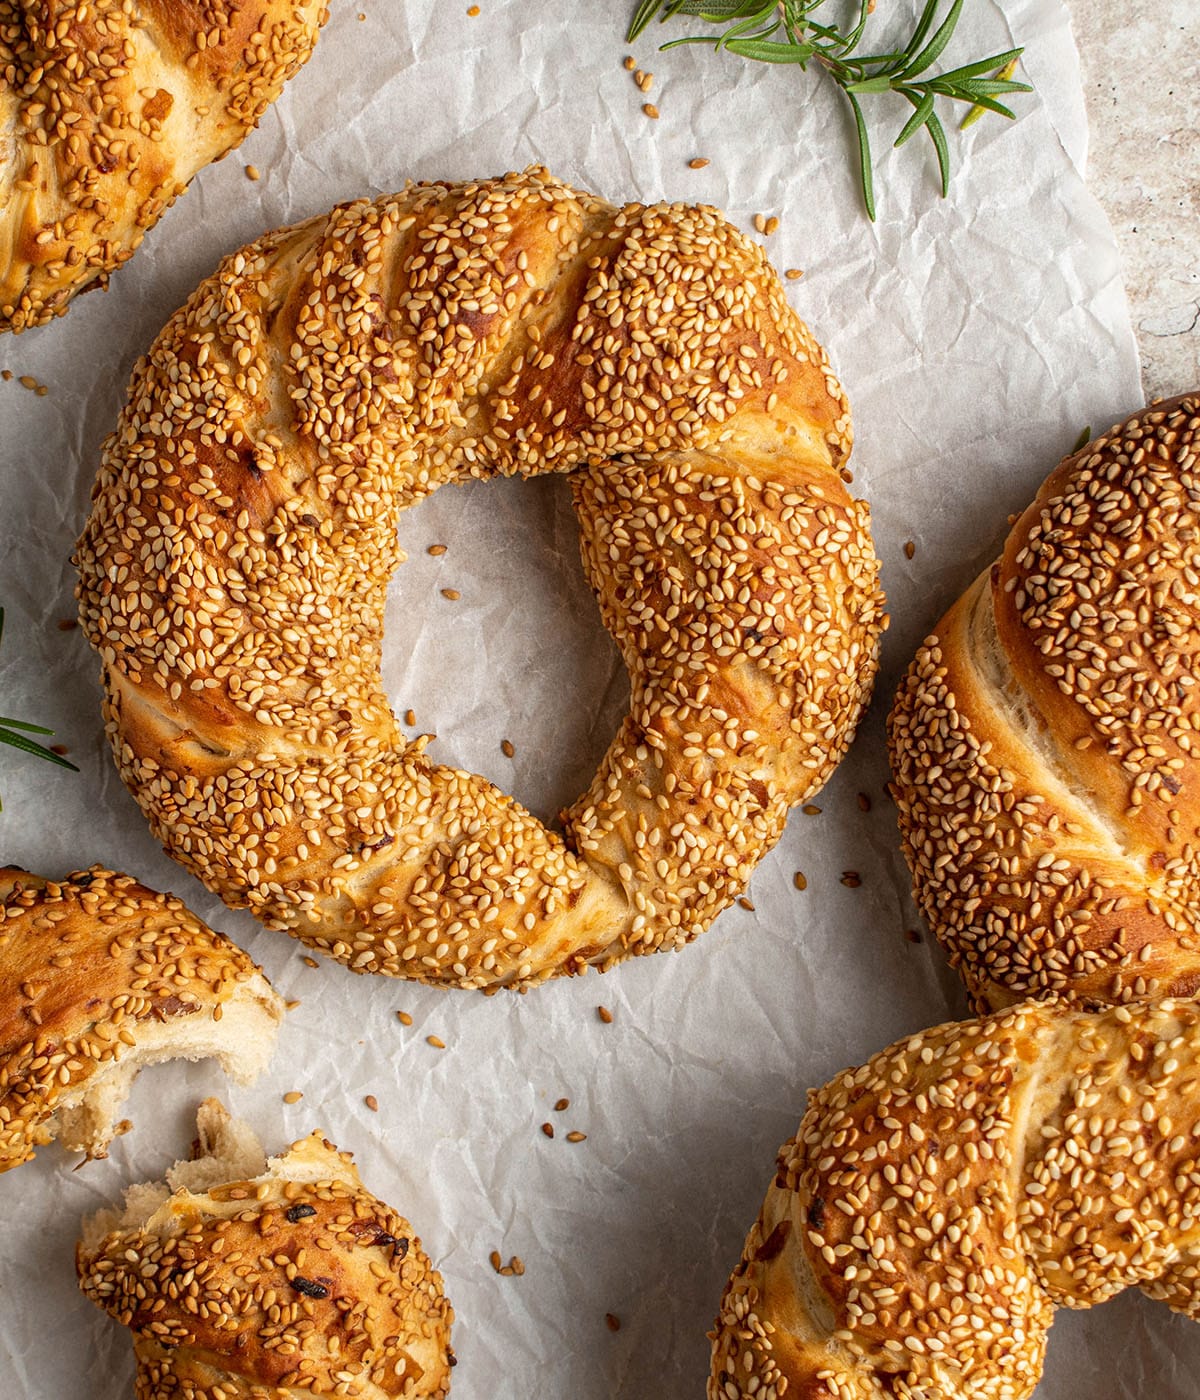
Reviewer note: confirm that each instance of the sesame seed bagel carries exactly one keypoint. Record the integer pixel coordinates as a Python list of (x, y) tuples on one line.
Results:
[(939, 1203), (268, 1279), (243, 531), (1042, 740), (107, 110), (100, 976)]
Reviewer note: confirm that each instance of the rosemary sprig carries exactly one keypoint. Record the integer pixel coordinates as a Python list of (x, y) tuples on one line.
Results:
[(15, 732), (787, 31)]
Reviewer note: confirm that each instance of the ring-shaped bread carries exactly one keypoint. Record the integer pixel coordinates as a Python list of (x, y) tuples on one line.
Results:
[(1043, 742), (940, 1202), (243, 531), (108, 109)]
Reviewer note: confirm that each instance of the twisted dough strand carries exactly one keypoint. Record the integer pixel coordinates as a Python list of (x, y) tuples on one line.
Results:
[(107, 110), (937, 1204), (233, 571)]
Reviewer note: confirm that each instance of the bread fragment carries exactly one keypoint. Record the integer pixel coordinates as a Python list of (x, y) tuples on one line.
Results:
[(99, 977), (107, 110), (274, 1279)]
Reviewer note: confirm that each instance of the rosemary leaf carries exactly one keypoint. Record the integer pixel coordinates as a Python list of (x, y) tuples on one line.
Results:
[(788, 32)]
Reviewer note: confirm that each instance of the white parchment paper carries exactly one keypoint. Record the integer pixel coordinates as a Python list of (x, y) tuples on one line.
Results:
[(976, 338)]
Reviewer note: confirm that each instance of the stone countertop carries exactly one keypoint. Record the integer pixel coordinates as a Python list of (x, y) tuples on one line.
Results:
[(1141, 72)]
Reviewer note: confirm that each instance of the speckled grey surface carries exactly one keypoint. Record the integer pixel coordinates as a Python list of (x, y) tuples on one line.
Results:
[(1141, 69)]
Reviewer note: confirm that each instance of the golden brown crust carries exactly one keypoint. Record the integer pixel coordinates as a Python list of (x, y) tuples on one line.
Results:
[(95, 971), (276, 1287), (233, 572), (937, 1204), (1041, 741), (107, 110)]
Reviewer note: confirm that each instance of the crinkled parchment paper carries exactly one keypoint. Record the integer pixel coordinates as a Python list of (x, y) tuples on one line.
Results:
[(976, 338)]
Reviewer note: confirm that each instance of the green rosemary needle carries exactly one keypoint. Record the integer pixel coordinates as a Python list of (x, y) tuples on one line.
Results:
[(15, 733), (787, 31)]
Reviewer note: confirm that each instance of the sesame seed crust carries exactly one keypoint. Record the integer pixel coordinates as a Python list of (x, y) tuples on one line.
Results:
[(937, 1204), (96, 971), (294, 1283), (109, 108), (1041, 740), (233, 571)]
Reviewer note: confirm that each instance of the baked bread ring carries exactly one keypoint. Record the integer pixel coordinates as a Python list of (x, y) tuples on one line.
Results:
[(107, 110), (269, 1280), (100, 976), (939, 1203), (1042, 741), (243, 530)]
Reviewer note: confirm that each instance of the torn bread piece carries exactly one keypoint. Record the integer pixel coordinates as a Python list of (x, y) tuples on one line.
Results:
[(280, 1278), (99, 977)]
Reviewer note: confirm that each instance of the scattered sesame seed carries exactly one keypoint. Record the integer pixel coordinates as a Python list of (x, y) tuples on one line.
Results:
[(308, 960), (437, 550), (506, 748), (410, 718), (452, 593), (772, 225), (698, 163), (252, 172), (650, 110), (612, 1322), (909, 549), (810, 809), (793, 274), (864, 802), (851, 879), (436, 1041), (293, 1096), (67, 624), (799, 880), (562, 1104), (746, 903), (371, 1102), (548, 1129), (576, 1136), (472, 10), (404, 1018), (630, 63), (760, 223), (605, 1015)]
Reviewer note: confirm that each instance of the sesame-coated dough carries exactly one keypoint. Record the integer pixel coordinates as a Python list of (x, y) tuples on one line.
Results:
[(233, 571), (107, 110), (939, 1203), (279, 1279), (1042, 741), (99, 976)]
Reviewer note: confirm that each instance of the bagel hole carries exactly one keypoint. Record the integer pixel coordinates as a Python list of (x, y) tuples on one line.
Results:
[(521, 655)]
